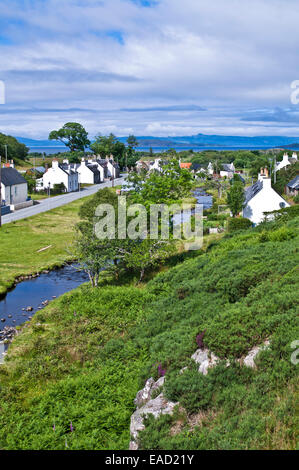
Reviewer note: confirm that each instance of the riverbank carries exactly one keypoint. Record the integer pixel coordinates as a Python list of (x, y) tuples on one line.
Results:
[(36, 244)]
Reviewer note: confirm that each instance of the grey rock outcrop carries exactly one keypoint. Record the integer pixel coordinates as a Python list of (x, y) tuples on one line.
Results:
[(146, 405), (205, 359), (249, 360)]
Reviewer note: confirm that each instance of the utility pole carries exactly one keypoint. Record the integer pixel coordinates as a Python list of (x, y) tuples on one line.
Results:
[(5, 146)]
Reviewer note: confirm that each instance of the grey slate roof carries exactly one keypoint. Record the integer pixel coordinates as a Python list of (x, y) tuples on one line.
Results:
[(226, 167), (294, 183), (252, 191), (10, 177), (93, 168)]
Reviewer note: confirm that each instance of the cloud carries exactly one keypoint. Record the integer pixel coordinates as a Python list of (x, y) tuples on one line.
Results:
[(162, 66)]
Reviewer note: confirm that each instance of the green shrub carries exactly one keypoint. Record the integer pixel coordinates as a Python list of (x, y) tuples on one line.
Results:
[(238, 223)]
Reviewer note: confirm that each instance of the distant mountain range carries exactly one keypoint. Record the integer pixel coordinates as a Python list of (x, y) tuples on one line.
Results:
[(200, 140)]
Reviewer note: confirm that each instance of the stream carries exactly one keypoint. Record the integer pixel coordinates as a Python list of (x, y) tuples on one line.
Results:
[(33, 292)]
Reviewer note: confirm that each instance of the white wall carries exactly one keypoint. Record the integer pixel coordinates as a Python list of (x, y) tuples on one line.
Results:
[(86, 176), (56, 175), (15, 194), (266, 200)]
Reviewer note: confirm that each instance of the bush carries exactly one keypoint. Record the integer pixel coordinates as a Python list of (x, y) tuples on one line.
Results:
[(238, 223)]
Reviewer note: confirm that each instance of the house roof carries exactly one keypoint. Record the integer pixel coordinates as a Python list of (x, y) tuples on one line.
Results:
[(10, 177), (226, 167), (252, 191), (294, 183), (94, 169), (185, 165)]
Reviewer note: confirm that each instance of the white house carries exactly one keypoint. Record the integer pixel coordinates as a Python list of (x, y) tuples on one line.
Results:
[(284, 162), (260, 198), (228, 170), (210, 169), (14, 189), (108, 167), (89, 172), (58, 174)]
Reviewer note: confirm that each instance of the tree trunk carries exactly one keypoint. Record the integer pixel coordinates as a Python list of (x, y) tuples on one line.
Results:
[(141, 275)]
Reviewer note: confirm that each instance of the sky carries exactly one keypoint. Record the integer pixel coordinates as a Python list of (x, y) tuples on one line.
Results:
[(162, 68)]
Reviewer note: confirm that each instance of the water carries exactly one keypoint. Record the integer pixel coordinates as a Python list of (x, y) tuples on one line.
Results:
[(33, 292), (195, 148), (203, 198)]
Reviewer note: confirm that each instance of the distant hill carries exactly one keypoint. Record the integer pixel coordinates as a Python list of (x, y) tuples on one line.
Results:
[(193, 141)]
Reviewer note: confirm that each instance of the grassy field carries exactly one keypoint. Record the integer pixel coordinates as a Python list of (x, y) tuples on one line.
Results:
[(21, 241)]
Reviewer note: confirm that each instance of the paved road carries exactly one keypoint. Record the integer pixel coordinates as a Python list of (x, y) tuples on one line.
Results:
[(57, 201)]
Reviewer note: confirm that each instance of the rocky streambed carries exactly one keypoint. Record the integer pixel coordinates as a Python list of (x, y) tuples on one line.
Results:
[(33, 293)]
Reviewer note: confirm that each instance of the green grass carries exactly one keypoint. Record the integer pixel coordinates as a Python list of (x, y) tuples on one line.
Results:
[(85, 356), (20, 242)]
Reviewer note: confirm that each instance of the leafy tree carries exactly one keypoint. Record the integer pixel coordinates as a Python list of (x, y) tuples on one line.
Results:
[(147, 254), (104, 145), (170, 185), (73, 135), (14, 148), (132, 142), (235, 198)]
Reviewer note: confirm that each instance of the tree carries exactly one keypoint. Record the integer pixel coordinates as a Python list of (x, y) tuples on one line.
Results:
[(170, 185), (104, 145), (146, 254), (14, 148), (132, 141), (235, 198), (73, 135)]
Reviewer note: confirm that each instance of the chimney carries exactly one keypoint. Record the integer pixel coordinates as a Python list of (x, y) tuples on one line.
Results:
[(55, 163), (295, 156), (264, 177)]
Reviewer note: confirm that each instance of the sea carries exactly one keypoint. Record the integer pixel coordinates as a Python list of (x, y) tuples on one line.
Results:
[(51, 150)]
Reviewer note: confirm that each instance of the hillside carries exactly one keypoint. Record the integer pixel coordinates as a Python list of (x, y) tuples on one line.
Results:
[(71, 376)]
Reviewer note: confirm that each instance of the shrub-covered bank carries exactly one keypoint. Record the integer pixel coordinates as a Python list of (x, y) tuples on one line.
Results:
[(71, 376)]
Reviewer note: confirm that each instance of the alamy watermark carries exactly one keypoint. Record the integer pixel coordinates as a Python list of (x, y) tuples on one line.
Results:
[(159, 222), (295, 355), (2, 92), (295, 92)]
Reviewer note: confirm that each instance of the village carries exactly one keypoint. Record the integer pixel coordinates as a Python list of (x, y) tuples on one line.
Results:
[(65, 177)]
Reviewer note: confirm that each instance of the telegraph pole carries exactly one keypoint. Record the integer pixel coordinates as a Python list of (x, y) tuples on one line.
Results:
[(5, 153)]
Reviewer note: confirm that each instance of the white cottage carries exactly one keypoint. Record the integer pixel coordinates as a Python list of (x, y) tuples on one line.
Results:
[(228, 170), (61, 173), (260, 198), (284, 162), (90, 172), (14, 189)]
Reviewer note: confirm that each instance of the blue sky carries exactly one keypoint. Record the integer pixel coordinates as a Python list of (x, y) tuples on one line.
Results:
[(165, 67)]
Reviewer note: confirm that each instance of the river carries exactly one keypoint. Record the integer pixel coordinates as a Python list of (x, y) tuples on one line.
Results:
[(32, 292)]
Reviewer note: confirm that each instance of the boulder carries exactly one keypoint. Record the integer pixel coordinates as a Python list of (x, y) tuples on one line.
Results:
[(145, 394), (205, 359), (249, 360), (156, 407)]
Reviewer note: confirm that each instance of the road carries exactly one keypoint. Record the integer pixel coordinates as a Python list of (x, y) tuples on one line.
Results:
[(57, 201)]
